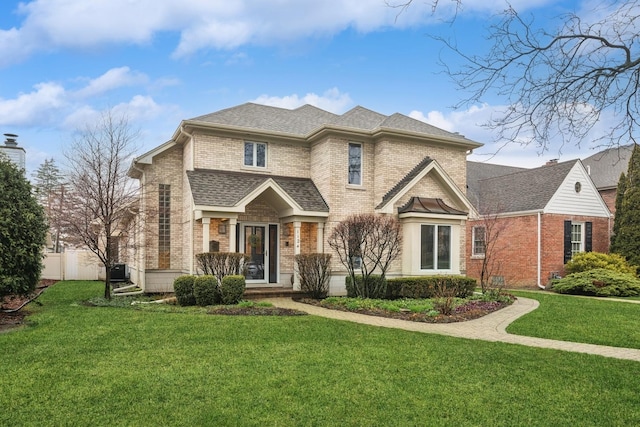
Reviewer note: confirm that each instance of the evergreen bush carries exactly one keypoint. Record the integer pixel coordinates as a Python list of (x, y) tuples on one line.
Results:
[(205, 290), (232, 289), (599, 282), (586, 261), (183, 290)]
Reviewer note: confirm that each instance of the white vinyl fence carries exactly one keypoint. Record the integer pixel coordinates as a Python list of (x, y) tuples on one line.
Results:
[(72, 265)]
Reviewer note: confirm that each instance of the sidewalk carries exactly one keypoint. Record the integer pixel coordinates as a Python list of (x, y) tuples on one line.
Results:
[(488, 328)]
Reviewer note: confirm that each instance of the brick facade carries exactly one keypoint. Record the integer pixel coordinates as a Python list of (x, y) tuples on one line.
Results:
[(515, 255)]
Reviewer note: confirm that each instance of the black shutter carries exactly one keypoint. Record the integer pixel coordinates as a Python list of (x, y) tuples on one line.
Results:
[(567, 241), (588, 236)]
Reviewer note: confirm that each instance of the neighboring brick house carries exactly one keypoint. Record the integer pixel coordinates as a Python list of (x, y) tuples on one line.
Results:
[(605, 168), (273, 183), (544, 216)]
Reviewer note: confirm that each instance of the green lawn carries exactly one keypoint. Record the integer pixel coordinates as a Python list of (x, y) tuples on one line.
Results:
[(79, 365), (579, 319)]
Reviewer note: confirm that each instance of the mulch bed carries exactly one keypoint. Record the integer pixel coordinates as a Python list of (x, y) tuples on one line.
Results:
[(469, 311), (12, 311)]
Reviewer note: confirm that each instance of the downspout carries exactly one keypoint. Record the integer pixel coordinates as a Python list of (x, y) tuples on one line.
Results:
[(540, 285), (191, 217)]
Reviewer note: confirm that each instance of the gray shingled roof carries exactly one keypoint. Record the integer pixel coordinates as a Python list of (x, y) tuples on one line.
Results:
[(606, 166), (226, 189), (305, 120), (520, 190), (405, 181), (477, 171)]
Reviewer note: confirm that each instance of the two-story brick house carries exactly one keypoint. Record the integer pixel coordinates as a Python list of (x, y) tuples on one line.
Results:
[(272, 183)]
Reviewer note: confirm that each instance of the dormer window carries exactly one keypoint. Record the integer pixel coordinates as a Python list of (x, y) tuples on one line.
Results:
[(255, 154)]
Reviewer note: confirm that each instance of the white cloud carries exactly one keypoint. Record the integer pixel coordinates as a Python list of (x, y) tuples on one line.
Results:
[(36, 107), (219, 24), (331, 100), (470, 123), (112, 79)]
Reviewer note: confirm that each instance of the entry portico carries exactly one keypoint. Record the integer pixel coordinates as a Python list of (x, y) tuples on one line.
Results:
[(259, 215)]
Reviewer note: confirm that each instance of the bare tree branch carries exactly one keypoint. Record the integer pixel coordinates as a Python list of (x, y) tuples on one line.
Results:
[(560, 86)]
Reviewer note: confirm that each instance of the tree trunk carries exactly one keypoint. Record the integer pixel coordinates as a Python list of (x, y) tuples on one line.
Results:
[(107, 283)]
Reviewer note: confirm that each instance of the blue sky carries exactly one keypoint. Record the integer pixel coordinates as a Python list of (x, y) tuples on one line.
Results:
[(64, 61)]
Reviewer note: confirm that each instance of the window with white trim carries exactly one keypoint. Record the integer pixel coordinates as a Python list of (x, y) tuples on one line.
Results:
[(577, 238), (355, 163), (255, 154), (478, 242), (435, 247)]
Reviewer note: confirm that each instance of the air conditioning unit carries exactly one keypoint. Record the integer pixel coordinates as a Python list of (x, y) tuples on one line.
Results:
[(120, 273)]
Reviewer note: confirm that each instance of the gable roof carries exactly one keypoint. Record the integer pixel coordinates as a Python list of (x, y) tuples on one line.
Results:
[(423, 168), (306, 120), (227, 189), (606, 166), (400, 185), (518, 191)]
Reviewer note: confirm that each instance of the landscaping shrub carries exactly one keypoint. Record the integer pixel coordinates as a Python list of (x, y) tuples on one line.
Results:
[(221, 264), (205, 290), (232, 288), (183, 290), (585, 261), (375, 288), (599, 282), (315, 272), (427, 286)]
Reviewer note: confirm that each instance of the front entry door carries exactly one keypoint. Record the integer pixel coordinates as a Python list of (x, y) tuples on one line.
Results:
[(254, 247)]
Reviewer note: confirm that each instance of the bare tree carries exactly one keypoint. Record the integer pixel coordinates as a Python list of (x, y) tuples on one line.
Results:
[(487, 246), (100, 202), (576, 82), (366, 243)]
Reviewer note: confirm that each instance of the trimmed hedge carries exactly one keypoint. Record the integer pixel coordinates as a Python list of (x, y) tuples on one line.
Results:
[(429, 286), (600, 282), (232, 288), (183, 289), (377, 288), (205, 290)]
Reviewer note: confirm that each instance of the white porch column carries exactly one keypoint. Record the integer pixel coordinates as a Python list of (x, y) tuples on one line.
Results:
[(320, 238), (205, 234), (233, 223), (296, 251)]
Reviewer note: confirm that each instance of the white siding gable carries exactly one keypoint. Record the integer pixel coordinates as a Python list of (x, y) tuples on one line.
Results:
[(586, 202)]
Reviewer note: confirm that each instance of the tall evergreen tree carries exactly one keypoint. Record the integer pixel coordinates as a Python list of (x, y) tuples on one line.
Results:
[(48, 185), (619, 213), (23, 229), (627, 221)]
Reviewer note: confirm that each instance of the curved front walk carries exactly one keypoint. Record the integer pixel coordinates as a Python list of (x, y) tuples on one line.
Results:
[(491, 327)]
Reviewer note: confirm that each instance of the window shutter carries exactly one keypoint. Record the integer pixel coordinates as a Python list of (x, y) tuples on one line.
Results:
[(567, 241), (588, 236)]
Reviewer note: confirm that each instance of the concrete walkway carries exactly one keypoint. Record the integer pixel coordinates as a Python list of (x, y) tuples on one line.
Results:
[(491, 327)]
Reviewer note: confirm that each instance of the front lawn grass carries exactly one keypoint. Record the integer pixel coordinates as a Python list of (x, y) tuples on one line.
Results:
[(80, 365), (580, 319)]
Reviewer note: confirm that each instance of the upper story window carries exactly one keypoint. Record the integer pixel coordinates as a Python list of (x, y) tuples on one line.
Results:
[(355, 163), (255, 154)]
